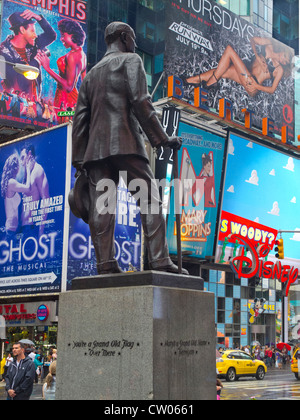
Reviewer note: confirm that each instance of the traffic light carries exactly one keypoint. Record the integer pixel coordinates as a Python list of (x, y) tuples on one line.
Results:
[(279, 249)]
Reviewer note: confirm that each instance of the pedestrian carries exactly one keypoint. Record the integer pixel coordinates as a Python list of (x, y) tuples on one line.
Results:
[(9, 359), (2, 366), (268, 356), (54, 354), (247, 350), (219, 388), (297, 356), (257, 353), (273, 355), (38, 363), (49, 387), (32, 354), (20, 375), (108, 140), (279, 358), (284, 355)]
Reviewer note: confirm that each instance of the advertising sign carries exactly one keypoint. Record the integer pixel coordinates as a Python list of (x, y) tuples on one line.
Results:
[(48, 35), (28, 313), (32, 204), (262, 186), (254, 232), (128, 239), (200, 167), (208, 46)]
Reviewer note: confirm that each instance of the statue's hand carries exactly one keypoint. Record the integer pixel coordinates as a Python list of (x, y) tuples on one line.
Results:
[(174, 143), (78, 168)]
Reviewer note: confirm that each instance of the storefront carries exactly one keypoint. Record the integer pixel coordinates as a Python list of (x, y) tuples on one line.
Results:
[(35, 321), (294, 314), (247, 310)]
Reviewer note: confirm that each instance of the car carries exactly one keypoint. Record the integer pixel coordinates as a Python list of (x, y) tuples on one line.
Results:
[(294, 364), (235, 364)]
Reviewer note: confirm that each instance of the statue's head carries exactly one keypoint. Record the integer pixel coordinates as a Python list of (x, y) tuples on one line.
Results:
[(120, 32)]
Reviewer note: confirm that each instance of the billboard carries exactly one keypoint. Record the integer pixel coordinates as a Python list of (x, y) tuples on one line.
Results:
[(32, 213), (256, 233), (200, 167), (128, 239), (52, 37), (262, 186), (229, 58), (43, 246)]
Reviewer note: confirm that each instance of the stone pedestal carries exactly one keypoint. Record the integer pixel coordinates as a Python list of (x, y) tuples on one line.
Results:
[(137, 336)]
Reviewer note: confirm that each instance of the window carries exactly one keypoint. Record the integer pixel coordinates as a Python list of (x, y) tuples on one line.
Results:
[(221, 303), (147, 3), (117, 11), (147, 60), (239, 7), (245, 356)]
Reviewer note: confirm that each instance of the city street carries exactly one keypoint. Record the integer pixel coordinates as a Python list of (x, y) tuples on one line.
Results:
[(277, 385)]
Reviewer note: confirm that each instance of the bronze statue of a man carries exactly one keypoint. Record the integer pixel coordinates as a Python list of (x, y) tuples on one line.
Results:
[(114, 108)]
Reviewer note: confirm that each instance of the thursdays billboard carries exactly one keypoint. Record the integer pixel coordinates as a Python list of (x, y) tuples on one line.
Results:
[(50, 36), (200, 166), (210, 47), (32, 210)]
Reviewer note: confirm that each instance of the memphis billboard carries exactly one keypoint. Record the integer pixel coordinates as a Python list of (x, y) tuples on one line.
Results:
[(50, 36), (208, 46)]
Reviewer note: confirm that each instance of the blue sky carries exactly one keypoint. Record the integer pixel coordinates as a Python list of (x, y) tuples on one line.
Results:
[(263, 185)]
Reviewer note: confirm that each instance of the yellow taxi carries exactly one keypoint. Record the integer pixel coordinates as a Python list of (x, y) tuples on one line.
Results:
[(294, 364), (234, 364)]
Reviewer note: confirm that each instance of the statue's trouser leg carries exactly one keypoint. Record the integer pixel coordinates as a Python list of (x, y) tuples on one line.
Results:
[(138, 176), (101, 219)]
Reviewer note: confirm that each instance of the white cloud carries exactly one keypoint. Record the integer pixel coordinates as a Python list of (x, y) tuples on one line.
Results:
[(231, 189), (254, 178), (275, 210), (256, 220), (296, 236), (290, 165), (294, 200), (231, 147), (250, 145), (272, 172)]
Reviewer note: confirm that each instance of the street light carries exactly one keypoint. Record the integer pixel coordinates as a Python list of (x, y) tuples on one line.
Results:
[(30, 72)]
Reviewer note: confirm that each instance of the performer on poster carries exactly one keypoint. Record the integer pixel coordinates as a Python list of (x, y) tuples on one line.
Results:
[(3, 99), (22, 47), (39, 187), (270, 61), (15, 103), (11, 189), (71, 66), (209, 181)]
